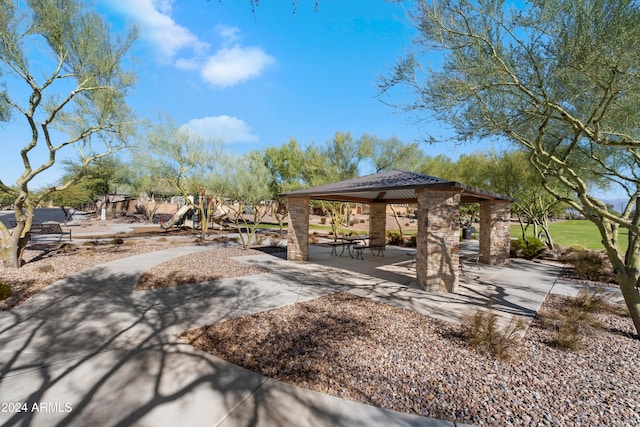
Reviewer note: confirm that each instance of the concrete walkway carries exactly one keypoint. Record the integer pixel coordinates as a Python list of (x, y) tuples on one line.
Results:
[(90, 351)]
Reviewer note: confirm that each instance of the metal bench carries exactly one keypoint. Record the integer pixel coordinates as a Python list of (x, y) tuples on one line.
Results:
[(48, 228), (377, 248), (334, 246)]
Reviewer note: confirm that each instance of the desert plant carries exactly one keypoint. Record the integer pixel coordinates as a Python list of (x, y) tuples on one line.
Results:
[(5, 291), (117, 241), (394, 238), (576, 322), (48, 268), (483, 332), (531, 248), (592, 299), (567, 332), (593, 265), (412, 242)]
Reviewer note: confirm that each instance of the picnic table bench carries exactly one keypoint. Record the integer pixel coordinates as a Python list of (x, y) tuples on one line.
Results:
[(47, 228), (377, 248)]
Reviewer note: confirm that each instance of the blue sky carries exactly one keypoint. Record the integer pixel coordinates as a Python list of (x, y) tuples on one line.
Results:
[(257, 79)]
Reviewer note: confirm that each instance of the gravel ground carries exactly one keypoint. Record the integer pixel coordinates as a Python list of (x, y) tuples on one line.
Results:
[(373, 353), (46, 263), (200, 267)]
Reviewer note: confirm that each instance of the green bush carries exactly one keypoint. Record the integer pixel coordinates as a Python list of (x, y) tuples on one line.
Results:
[(5, 291), (529, 249), (482, 331), (394, 238), (412, 243), (117, 241)]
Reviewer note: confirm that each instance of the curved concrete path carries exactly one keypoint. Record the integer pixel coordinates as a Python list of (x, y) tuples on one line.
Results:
[(88, 351)]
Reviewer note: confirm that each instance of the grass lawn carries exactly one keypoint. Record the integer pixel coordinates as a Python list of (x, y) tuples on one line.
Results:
[(565, 233), (573, 232)]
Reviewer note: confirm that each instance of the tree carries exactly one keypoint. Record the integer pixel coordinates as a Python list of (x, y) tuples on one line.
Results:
[(190, 164), (338, 161), (387, 154), (391, 153), (249, 186), (285, 164), (151, 189), (557, 79), (68, 86), (93, 183)]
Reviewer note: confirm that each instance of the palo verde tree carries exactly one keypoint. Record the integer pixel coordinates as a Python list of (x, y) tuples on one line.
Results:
[(249, 187), (391, 153), (65, 82), (187, 162), (558, 79)]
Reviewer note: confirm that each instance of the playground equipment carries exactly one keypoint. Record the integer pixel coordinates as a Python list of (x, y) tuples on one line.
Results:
[(177, 218)]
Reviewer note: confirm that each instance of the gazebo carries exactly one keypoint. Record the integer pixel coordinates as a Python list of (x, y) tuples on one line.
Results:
[(438, 237)]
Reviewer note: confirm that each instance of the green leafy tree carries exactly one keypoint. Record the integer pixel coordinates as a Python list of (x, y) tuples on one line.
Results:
[(151, 189), (338, 161), (249, 187), (557, 79), (68, 87), (188, 163), (391, 153), (93, 184), (285, 164)]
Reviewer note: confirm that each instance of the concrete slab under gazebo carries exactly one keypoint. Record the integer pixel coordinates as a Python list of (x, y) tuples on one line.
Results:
[(438, 212)]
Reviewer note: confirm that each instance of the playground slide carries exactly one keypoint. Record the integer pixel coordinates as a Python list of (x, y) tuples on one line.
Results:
[(176, 217), (219, 214)]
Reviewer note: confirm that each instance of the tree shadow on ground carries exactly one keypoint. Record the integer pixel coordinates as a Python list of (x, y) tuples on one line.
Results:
[(110, 354)]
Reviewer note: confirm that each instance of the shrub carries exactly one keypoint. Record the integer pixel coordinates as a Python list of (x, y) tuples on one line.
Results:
[(576, 322), (394, 238), (591, 300), (117, 241), (482, 331), (567, 333), (528, 249), (45, 268), (412, 243), (593, 265), (323, 220), (5, 291)]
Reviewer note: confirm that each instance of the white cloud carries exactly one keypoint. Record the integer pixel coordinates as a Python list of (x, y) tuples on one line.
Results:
[(229, 34), (224, 128), (231, 64), (157, 26)]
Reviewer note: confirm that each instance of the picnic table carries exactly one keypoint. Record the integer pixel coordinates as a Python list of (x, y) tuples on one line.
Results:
[(347, 242)]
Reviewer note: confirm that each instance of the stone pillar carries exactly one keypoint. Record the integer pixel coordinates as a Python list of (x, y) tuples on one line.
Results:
[(438, 240), (298, 231), (378, 223), (495, 237)]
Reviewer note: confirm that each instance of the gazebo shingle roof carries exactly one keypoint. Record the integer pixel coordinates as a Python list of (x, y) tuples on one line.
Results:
[(394, 186)]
